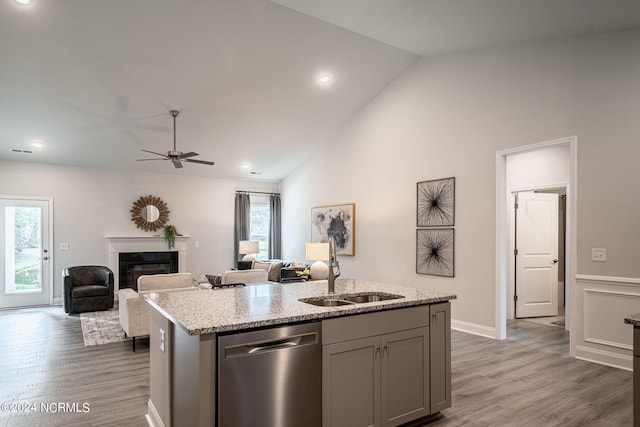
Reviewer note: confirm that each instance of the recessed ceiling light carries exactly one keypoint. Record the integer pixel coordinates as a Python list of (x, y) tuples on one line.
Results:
[(245, 165), (36, 143), (324, 79), (23, 2)]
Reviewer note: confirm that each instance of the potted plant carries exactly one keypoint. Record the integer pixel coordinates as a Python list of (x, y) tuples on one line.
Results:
[(170, 234)]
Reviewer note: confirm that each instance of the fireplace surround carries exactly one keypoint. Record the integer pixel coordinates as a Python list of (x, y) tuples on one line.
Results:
[(135, 264), (132, 244)]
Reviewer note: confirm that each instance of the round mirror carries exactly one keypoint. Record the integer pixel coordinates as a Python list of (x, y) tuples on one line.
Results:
[(149, 213)]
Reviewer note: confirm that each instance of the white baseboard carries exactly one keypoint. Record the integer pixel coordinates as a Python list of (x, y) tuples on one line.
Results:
[(604, 358), (58, 301), (153, 418), (474, 328)]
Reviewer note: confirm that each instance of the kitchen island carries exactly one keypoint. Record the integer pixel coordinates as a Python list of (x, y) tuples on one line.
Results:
[(404, 340)]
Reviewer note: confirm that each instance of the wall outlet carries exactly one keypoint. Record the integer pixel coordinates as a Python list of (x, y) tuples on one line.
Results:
[(598, 254), (196, 244)]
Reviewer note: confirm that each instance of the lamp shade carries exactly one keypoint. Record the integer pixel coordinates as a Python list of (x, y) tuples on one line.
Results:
[(248, 247), (317, 251)]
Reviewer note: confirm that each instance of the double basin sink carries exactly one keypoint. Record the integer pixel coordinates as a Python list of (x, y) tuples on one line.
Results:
[(349, 299)]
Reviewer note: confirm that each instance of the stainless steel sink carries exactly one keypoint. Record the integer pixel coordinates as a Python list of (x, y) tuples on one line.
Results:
[(326, 301), (370, 297), (347, 299)]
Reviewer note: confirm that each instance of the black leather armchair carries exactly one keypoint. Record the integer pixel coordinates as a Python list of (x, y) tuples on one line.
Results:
[(87, 288)]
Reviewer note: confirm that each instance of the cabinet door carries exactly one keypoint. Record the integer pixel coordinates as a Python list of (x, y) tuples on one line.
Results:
[(440, 356), (351, 383), (405, 376)]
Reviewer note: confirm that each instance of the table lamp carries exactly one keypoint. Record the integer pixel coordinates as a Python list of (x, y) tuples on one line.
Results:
[(248, 248), (318, 252)]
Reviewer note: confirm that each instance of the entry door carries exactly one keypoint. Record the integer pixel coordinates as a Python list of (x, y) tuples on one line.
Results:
[(537, 255), (24, 253)]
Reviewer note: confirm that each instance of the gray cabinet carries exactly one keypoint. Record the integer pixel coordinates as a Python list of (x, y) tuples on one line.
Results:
[(376, 368), (636, 376), (440, 356)]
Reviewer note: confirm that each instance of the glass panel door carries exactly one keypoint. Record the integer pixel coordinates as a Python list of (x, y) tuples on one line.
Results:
[(24, 253)]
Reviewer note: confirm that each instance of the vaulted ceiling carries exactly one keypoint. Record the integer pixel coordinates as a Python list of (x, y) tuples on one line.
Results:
[(95, 80)]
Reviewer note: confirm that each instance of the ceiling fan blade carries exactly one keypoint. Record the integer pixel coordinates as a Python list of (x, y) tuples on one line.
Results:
[(143, 160), (189, 154), (153, 152), (176, 163), (202, 162)]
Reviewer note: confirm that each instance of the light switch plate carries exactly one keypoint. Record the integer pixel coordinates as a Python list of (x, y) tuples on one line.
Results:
[(64, 246), (598, 254)]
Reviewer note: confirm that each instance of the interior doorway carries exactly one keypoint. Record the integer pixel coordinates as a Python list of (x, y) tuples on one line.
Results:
[(546, 166), (537, 280)]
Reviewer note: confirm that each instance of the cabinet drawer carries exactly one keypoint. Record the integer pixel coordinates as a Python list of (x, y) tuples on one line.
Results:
[(378, 323)]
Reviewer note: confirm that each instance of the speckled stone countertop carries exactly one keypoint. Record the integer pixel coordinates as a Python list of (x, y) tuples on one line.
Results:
[(634, 319), (205, 311)]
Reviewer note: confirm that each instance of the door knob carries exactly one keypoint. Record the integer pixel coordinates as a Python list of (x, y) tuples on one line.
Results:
[(555, 261), (45, 258)]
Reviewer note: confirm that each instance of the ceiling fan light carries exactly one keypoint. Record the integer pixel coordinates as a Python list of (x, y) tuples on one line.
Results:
[(24, 2)]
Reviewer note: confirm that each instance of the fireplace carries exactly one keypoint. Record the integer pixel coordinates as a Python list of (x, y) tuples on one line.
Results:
[(143, 244), (135, 264)]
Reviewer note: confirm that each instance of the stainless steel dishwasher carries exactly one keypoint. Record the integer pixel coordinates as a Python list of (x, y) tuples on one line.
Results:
[(271, 377)]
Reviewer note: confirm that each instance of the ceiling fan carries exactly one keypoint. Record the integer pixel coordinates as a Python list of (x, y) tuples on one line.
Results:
[(177, 157)]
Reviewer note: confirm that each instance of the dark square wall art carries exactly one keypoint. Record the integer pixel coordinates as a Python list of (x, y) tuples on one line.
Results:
[(436, 203), (434, 252)]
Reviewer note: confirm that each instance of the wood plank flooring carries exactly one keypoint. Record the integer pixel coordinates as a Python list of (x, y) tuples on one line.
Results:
[(530, 380), (43, 360), (526, 380)]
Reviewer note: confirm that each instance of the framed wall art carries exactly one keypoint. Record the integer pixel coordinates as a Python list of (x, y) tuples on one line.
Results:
[(436, 203), (337, 221), (435, 251)]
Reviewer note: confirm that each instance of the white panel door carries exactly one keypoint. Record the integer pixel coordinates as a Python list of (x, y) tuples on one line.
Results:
[(537, 255), (24, 253)]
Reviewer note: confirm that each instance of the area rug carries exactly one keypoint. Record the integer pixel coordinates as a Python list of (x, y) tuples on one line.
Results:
[(101, 327)]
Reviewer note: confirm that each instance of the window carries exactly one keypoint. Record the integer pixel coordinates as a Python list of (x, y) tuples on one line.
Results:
[(259, 227)]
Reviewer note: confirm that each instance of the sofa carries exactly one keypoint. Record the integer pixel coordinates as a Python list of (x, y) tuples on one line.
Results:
[(281, 271), (260, 272), (87, 288), (134, 310)]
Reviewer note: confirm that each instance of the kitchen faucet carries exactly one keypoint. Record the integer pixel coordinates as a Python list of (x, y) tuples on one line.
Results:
[(334, 265)]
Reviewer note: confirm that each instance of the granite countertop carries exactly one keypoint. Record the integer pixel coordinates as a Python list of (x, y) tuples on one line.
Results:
[(633, 319), (205, 311)]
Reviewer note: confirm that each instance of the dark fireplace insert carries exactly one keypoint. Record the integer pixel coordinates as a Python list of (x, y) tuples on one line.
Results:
[(136, 264)]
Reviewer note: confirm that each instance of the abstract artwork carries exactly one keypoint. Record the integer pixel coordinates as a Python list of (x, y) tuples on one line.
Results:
[(436, 202), (337, 221), (434, 251)]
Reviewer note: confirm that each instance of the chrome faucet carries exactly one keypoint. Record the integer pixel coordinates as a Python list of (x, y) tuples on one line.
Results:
[(334, 265)]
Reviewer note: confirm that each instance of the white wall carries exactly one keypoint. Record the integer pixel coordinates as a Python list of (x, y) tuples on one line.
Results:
[(448, 116), (90, 204), (538, 169)]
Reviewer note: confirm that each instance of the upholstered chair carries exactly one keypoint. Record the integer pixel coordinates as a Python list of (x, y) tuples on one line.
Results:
[(87, 288), (134, 310)]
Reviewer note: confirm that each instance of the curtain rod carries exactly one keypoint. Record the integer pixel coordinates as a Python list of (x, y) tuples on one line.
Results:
[(256, 192)]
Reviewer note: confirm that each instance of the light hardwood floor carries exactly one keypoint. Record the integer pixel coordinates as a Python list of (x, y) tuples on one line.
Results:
[(526, 380)]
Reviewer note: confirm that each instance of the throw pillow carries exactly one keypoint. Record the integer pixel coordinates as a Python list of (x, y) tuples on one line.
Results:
[(214, 280), (261, 265), (274, 271)]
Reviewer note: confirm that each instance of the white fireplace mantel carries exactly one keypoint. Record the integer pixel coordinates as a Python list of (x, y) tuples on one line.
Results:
[(119, 244)]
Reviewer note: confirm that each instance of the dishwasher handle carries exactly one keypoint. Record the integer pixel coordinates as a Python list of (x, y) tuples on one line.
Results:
[(250, 349)]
